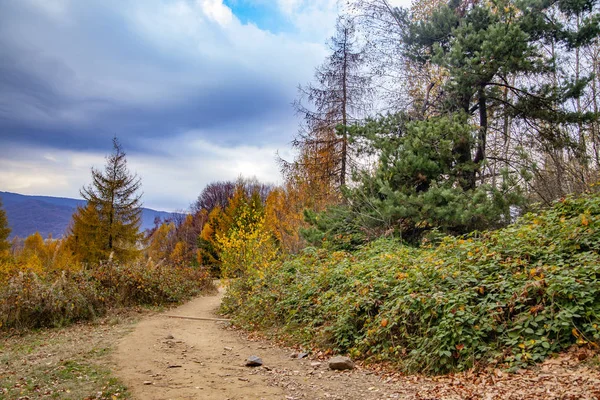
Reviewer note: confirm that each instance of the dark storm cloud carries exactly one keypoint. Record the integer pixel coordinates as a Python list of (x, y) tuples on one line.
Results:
[(193, 94), (74, 81)]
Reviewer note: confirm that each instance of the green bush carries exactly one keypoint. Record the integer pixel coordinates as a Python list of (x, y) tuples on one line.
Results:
[(509, 297), (29, 301)]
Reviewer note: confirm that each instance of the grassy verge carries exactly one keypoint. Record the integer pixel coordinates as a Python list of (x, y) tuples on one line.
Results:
[(507, 298), (67, 363)]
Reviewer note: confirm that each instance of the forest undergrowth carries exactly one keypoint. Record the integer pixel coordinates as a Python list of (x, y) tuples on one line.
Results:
[(507, 298)]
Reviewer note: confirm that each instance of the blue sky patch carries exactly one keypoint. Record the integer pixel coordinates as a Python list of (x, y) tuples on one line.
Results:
[(262, 13)]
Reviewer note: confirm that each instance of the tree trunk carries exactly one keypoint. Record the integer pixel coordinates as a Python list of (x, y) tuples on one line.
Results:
[(344, 112)]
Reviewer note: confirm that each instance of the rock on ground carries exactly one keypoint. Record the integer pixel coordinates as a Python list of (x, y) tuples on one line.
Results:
[(254, 361), (341, 363)]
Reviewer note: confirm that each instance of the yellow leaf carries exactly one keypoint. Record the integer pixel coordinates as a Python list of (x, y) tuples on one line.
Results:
[(384, 322), (584, 221)]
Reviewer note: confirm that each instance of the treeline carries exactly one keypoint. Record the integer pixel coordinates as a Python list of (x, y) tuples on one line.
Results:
[(444, 118), (103, 262), (449, 116), (232, 226)]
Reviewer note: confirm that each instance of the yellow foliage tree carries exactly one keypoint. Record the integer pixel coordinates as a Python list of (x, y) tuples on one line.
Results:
[(160, 242), (284, 217), (179, 256), (33, 257), (42, 256), (220, 222), (248, 247), (207, 242)]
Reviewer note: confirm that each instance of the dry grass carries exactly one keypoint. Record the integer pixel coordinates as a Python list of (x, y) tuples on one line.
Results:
[(66, 363)]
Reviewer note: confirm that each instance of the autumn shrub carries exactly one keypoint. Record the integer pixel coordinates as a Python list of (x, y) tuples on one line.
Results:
[(508, 298), (149, 283), (28, 300)]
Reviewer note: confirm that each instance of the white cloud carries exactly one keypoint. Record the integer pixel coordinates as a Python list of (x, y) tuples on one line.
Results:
[(216, 10), (189, 162), (38, 171), (313, 18), (170, 181)]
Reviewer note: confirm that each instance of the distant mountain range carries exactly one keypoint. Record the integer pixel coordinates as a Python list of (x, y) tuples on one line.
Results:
[(52, 215)]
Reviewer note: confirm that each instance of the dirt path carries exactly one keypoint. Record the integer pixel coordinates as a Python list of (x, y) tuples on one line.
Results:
[(166, 358)]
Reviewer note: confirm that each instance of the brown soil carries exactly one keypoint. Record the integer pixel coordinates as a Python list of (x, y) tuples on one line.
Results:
[(165, 358)]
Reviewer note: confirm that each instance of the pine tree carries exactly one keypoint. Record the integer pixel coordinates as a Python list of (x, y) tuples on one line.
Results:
[(109, 224), (4, 231), (494, 55)]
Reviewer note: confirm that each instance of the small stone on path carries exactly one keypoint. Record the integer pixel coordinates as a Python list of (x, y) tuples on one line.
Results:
[(341, 363), (254, 361)]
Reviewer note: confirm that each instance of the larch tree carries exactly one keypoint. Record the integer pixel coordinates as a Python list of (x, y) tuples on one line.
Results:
[(337, 99), (109, 224)]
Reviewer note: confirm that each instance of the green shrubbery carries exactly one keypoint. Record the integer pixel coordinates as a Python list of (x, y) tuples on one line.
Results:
[(509, 297), (28, 300)]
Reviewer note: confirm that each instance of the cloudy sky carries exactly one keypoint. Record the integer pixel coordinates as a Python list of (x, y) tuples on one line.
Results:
[(196, 90)]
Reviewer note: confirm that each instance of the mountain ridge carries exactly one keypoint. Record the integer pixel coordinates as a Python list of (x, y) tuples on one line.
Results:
[(50, 215)]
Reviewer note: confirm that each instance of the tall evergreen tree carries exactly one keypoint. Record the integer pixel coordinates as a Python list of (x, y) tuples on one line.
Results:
[(4, 231), (109, 224), (338, 98), (495, 58)]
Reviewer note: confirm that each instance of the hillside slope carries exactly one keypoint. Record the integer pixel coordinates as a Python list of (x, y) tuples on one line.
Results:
[(507, 298), (52, 215)]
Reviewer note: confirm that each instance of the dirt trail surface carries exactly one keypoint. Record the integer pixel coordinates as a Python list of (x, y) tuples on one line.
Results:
[(165, 358)]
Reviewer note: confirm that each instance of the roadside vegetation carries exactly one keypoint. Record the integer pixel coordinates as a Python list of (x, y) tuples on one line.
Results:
[(31, 300), (507, 298)]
